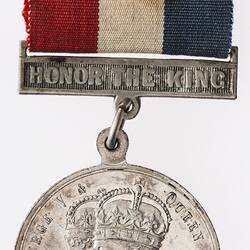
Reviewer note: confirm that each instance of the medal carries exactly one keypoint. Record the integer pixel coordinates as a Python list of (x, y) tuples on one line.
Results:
[(116, 205)]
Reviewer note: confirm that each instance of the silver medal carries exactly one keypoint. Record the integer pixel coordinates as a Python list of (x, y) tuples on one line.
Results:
[(114, 206)]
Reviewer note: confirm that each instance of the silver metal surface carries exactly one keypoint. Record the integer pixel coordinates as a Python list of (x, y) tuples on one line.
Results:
[(135, 107), (124, 107), (117, 206), (129, 77)]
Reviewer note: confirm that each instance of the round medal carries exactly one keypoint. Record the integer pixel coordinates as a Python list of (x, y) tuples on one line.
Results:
[(117, 206)]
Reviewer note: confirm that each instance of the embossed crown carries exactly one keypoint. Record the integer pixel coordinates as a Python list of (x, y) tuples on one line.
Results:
[(80, 223), (132, 216)]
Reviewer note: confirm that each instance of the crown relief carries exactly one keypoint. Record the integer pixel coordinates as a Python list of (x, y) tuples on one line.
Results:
[(112, 215), (70, 217), (80, 223), (87, 220), (131, 220)]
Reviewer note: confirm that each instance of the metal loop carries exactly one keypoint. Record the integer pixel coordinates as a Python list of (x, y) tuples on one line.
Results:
[(135, 104), (118, 123), (117, 155)]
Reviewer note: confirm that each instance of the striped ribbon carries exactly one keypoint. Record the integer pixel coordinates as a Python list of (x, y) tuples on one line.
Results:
[(174, 27)]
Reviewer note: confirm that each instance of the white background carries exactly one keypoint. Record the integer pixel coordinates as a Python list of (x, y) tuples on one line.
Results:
[(202, 144)]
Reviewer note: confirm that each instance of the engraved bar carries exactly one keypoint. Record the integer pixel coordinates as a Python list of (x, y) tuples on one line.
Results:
[(131, 77)]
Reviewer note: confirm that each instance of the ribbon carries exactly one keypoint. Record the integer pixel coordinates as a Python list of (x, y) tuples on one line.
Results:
[(174, 27)]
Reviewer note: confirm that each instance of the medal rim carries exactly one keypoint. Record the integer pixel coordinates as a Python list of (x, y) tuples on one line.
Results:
[(118, 167)]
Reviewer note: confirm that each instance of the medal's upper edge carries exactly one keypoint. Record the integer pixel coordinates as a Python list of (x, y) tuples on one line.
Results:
[(105, 168)]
